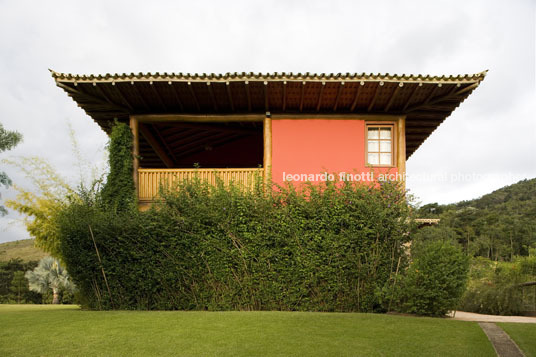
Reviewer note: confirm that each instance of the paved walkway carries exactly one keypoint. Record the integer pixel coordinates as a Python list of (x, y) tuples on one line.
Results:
[(502, 343), (470, 316)]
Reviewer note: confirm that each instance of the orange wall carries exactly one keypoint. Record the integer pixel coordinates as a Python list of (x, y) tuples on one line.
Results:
[(313, 146)]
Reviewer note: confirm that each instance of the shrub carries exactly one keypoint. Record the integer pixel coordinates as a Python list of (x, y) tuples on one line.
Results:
[(323, 248), (494, 286), (435, 279)]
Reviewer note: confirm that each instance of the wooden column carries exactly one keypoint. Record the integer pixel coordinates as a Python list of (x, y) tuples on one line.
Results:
[(267, 162), (134, 126), (401, 157)]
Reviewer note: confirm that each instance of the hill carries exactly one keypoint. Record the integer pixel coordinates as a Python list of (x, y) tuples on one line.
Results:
[(498, 225), (23, 249)]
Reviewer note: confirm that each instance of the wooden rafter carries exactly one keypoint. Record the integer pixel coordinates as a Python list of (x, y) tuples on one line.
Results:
[(319, 100), (393, 96), (212, 97), (192, 92), (302, 96), (166, 146), (229, 95), (176, 95), (104, 95), (354, 103), (265, 92), (88, 96), (411, 95), (135, 88), (157, 95), (155, 145), (339, 91), (376, 92), (120, 94), (246, 87), (284, 99), (213, 143), (202, 141)]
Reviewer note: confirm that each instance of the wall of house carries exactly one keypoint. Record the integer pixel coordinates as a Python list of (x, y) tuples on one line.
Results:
[(313, 146)]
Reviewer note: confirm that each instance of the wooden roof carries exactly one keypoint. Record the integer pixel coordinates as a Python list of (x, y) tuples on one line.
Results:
[(426, 100)]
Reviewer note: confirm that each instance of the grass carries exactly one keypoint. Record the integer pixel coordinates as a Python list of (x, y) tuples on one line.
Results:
[(23, 249), (523, 334), (29, 330)]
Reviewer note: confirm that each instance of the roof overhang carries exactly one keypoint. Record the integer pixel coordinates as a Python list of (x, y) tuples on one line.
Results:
[(425, 100)]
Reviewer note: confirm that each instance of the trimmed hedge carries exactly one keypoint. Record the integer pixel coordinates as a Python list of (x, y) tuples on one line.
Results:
[(325, 248)]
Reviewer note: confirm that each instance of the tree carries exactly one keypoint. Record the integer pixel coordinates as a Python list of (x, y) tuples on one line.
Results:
[(8, 140), (19, 286), (49, 275)]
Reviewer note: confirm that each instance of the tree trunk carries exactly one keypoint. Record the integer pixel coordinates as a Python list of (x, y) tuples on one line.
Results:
[(55, 296)]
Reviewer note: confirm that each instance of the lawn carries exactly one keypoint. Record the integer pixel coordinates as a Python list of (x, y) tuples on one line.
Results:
[(523, 334), (31, 330)]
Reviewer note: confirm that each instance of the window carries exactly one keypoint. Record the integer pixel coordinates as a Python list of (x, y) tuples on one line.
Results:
[(380, 145)]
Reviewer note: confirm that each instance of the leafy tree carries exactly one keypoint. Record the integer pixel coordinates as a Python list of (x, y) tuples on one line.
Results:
[(8, 140), (49, 275), (19, 286)]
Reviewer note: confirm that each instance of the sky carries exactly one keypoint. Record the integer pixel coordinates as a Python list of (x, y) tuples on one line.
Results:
[(487, 143)]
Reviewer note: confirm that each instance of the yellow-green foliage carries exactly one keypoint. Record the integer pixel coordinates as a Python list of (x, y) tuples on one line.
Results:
[(41, 204)]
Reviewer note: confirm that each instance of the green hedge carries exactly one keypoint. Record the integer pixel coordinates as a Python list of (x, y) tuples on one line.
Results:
[(325, 248)]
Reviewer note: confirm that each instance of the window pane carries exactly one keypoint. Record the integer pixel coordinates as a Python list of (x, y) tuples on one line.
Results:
[(373, 159), (385, 159), (373, 146), (385, 133), (373, 133), (385, 146)]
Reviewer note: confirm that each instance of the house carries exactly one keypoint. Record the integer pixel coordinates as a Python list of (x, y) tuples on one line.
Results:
[(292, 127)]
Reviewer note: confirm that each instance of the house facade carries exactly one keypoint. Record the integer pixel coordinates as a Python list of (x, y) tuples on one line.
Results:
[(290, 127)]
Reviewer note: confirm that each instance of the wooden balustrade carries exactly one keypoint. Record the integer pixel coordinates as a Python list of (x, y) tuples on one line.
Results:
[(151, 179)]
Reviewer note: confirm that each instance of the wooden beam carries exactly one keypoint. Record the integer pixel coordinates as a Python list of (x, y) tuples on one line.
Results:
[(134, 127), (411, 95), (163, 141), (432, 94), (393, 96), (176, 95), (376, 92), (202, 141), (155, 145), (157, 95), (103, 95), (135, 88), (319, 100), (466, 89), (301, 96), (284, 99), (216, 127), (265, 91), (229, 95), (212, 97), (339, 116), (88, 96), (449, 95), (354, 104), (120, 94), (214, 143), (216, 118), (267, 159), (246, 87), (339, 91), (191, 89)]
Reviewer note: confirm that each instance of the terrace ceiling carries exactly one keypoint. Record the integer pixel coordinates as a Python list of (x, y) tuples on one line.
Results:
[(425, 100)]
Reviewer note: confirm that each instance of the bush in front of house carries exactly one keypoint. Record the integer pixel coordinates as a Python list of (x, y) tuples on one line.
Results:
[(435, 279), (322, 248)]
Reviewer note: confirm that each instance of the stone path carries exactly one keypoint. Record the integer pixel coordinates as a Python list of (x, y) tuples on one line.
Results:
[(502, 343), (470, 316)]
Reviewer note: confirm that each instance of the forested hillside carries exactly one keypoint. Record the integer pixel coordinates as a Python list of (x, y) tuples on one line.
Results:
[(498, 226)]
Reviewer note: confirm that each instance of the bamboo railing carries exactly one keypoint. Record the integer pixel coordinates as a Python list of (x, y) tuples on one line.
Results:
[(151, 179)]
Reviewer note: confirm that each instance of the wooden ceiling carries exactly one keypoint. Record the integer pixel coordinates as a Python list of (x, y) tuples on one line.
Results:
[(425, 100)]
